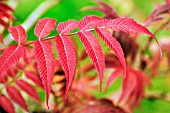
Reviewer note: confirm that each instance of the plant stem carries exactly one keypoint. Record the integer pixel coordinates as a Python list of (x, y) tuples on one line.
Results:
[(49, 38)]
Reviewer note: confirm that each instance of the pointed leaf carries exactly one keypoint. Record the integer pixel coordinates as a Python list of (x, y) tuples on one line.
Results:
[(94, 51), (65, 27), (18, 33), (10, 56), (34, 77), (44, 55), (113, 44), (16, 96), (87, 22), (130, 26), (44, 27), (113, 76), (6, 104), (91, 44), (67, 58), (29, 89)]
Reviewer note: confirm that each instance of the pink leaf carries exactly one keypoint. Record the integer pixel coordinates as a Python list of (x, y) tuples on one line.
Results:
[(130, 26), (35, 78), (92, 45), (113, 76), (94, 50), (6, 104), (44, 55), (67, 58), (16, 96), (3, 78), (129, 84), (29, 89), (18, 33), (113, 44), (87, 22), (10, 56), (65, 27), (44, 27)]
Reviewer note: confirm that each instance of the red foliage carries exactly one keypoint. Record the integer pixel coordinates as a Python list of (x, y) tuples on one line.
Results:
[(29, 89), (16, 96), (18, 33), (44, 55), (45, 64), (6, 104), (5, 13), (44, 27)]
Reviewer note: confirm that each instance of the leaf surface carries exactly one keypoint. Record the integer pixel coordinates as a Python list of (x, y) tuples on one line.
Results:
[(92, 45), (10, 56), (113, 44), (67, 58), (16, 96), (29, 89), (94, 51), (18, 33), (34, 77), (130, 26), (44, 56), (6, 104), (66, 27), (44, 27)]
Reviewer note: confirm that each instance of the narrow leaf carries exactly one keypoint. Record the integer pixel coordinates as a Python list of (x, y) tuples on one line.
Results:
[(10, 56), (44, 55), (130, 26), (94, 51), (18, 33), (67, 58), (66, 27), (92, 45), (16, 96), (6, 104), (113, 76), (35, 78), (113, 44), (44, 27), (25, 86)]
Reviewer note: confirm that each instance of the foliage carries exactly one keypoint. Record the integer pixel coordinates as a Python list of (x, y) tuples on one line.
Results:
[(57, 59)]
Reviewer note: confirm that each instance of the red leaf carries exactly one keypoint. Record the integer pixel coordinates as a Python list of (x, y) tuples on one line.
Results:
[(6, 104), (87, 22), (113, 76), (67, 58), (4, 7), (130, 26), (44, 27), (155, 14), (3, 23), (29, 89), (10, 56), (113, 44), (94, 51), (66, 52), (92, 45), (45, 63), (18, 33), (3, 78), (129, 84), (16, 96), (65, 27), (35, 78)]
